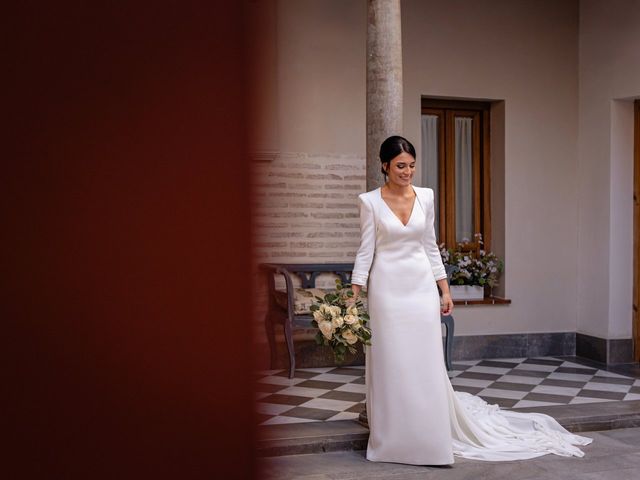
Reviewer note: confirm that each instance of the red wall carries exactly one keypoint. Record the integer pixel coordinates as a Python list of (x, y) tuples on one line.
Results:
[(125, 244)]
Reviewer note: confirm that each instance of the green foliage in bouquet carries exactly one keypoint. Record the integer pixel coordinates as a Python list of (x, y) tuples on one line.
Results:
[(341, 322), (468, 269)]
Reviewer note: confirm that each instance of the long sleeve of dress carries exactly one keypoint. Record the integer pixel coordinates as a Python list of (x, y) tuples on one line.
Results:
[(364, 255), (429, 240)]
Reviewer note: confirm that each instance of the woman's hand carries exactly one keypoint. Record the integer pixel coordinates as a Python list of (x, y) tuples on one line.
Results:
[(356, 293), (447, 304)]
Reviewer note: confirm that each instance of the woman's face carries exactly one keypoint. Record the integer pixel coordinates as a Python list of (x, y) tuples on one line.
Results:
[(401, 169)]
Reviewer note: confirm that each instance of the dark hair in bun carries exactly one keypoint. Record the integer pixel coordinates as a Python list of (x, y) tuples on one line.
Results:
[(392, 147)]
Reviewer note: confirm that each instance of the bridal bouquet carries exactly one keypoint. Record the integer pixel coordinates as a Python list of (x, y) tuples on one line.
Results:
[(341, 321)]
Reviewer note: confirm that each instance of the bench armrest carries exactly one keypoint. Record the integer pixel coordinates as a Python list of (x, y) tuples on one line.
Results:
[(275, 269)]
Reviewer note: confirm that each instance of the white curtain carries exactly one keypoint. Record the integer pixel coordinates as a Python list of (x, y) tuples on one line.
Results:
[(430, 158), (464, 179)]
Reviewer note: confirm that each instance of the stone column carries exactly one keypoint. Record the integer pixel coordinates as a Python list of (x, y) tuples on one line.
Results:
[(384, 89), (384, 81)]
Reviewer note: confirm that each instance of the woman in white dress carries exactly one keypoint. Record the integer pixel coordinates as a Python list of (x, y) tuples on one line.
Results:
[(414, 415)]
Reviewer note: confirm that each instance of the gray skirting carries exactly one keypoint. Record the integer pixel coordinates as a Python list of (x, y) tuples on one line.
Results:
[(603, 350), (543, 344), (473, 347)]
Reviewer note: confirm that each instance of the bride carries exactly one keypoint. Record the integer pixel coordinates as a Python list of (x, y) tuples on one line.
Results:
[(415, 416)]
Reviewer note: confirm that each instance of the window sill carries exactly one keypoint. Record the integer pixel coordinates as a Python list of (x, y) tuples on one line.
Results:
[(484, 301)]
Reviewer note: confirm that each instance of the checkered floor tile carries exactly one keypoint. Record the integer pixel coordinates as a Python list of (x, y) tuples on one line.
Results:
[(338, 393)]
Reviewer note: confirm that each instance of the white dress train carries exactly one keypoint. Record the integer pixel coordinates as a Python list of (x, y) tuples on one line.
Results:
[(414, 415)]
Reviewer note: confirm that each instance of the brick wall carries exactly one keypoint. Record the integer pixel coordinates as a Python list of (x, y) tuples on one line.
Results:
[(304, 211), (305, 207)]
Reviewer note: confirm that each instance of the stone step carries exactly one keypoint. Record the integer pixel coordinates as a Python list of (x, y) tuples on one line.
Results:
[(311, 437), (341, 435)]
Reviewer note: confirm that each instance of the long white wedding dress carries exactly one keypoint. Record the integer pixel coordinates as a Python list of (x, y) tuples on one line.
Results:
[(415, 416)]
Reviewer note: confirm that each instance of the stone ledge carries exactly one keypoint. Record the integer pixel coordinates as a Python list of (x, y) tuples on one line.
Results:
[(344, 435), (311, 437)]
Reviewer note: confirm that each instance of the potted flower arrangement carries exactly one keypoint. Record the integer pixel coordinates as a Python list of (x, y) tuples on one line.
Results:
[(470, 273)]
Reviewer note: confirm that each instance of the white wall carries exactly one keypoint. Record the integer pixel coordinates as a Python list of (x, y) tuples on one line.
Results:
[(524, 53), (621, 221), (321, 76), (609, 79), (560, 188)]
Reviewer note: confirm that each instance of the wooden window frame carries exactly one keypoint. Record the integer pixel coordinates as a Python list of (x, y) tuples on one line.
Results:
[(447, 111)]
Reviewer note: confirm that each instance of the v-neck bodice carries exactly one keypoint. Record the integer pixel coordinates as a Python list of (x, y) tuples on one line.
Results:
[(397, 241), (413, 207)]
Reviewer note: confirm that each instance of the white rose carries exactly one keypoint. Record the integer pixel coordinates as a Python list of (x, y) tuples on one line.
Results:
[(325, 309), (318, 316), (352, 310), (350, 319), (356, 326), (337, 321), (350, 337), (335, 310), (327, 329)]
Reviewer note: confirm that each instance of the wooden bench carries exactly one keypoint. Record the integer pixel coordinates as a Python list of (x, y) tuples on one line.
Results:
[(281, 304)]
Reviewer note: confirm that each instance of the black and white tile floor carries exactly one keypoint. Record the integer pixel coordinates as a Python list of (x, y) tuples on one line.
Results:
[(338, 393)]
